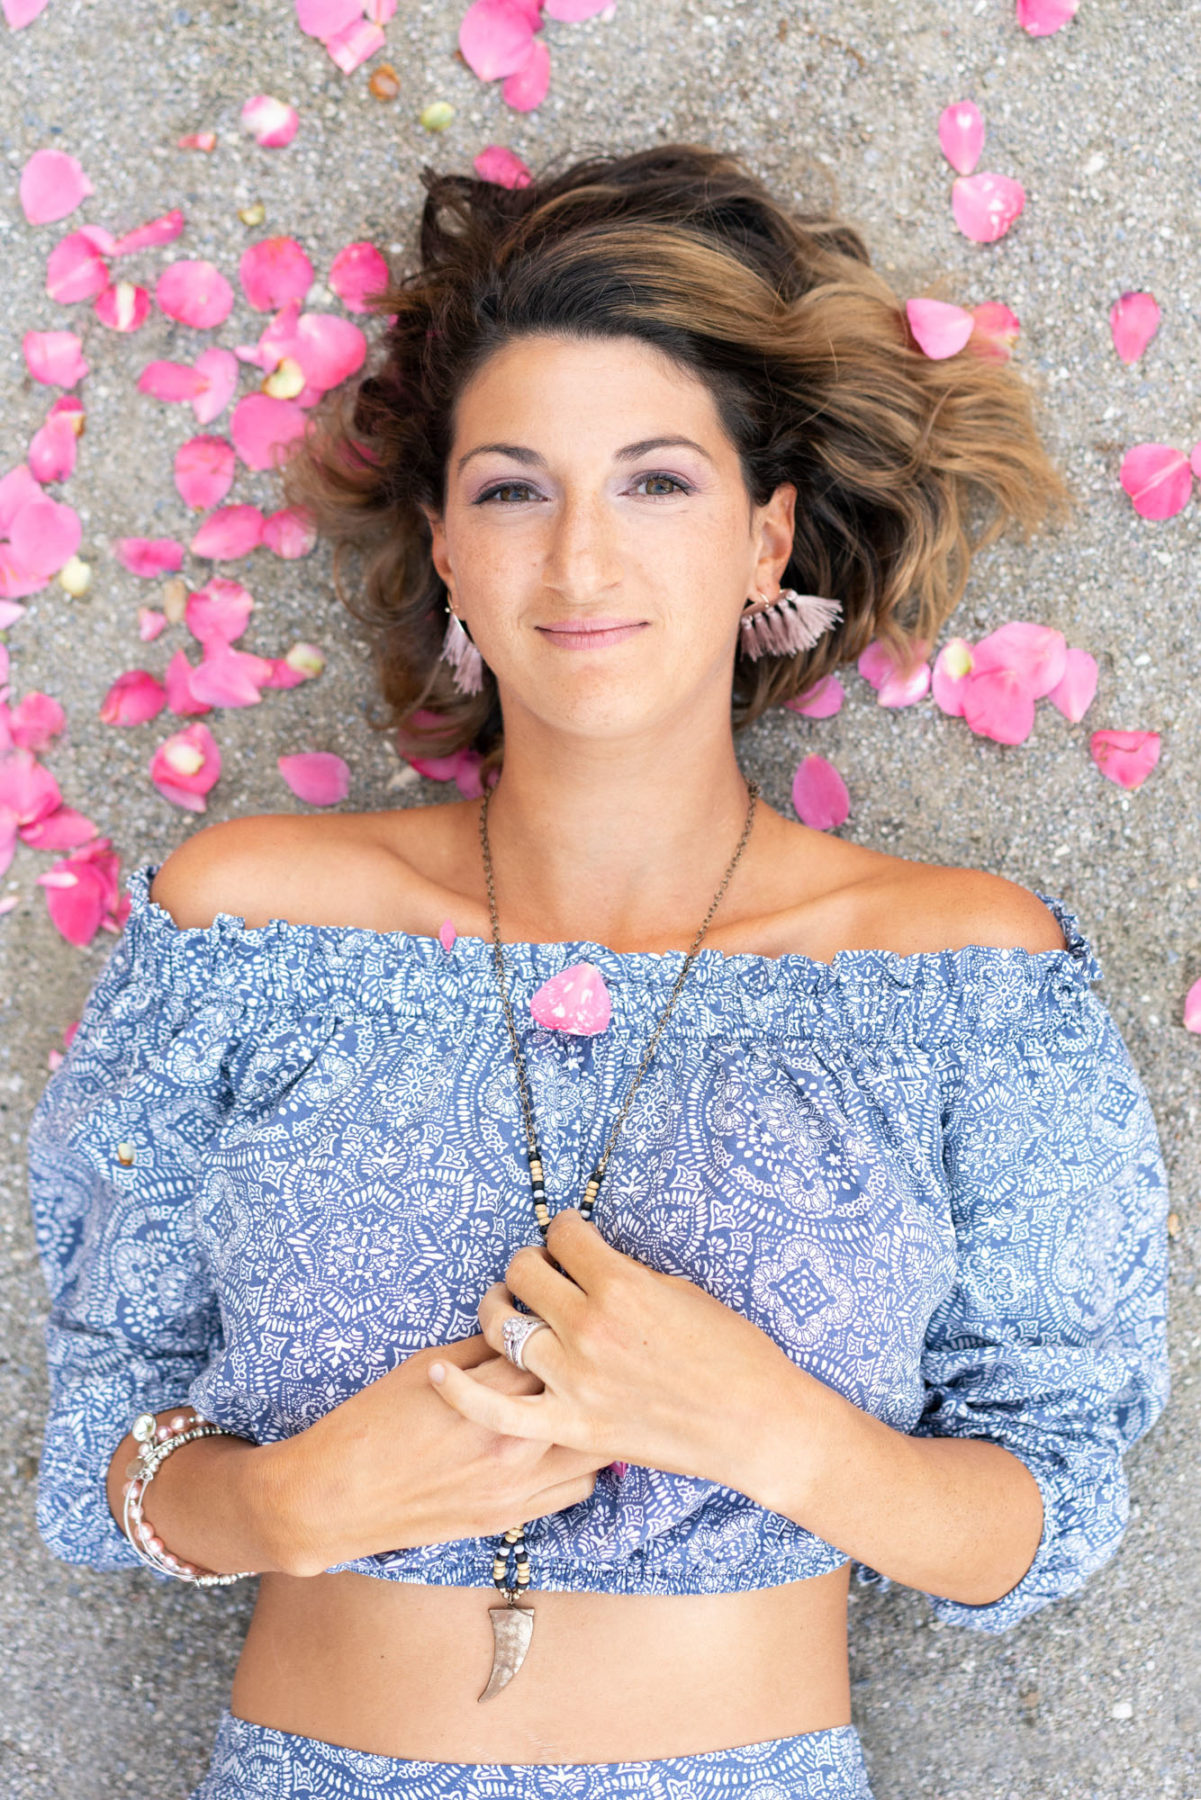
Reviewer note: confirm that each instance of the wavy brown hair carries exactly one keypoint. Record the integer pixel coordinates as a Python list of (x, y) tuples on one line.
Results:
[(904, 466)]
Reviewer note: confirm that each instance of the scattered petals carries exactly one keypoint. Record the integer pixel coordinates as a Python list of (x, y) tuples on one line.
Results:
[(1133, 322), (447, 935), (229, 677), (133, 698), (571, 12), (329, 349), (150, 623), (185, 766), (1126, 757), (961, 135), (306, 659), (197, 140), (76, 269), (317, 776), (1036, 654), (218, 370), (986, 205), (1074, 691), (952, 666), (35, 720), (204, 471), (261, 427), (894, 684), (231, 532), (526, 87), (1042, 17), (575, 1000), (149, 556), (357, 274), (18, 13), (123, 307), (218, 612), (286, 382), (26, 788), (42, 535), (821, 702), (271, 123), (274, 272), (322, 18), (995, 330), (52, 185), (62, 829), (150, 236), (495, 38), (1158, 479), (1192, 1008), (290, 533), (819, 794), (171, 381), (503, 166), (81, 892), (195, 292), (54, 357), (178, 684), (941, 329), (53, 446), (355, 44)]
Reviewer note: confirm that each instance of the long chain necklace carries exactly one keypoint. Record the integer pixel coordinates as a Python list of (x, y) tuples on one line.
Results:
[(512, 1624)]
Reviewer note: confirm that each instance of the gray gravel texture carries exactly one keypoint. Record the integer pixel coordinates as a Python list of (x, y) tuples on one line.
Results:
[(112, 1685)]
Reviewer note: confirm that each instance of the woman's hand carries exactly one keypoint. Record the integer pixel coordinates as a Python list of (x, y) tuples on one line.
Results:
[(393, 1467), (638, 1366)]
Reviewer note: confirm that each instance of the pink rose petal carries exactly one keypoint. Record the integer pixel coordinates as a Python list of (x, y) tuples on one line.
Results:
[(1192, 1008), (358, 274), (17, 489), (447, 935), (75, 899), (961, 135), (150, 623), (54, 357), (379, 11), (19, 13), (178, 683), (290, 532), (195, 292), (1133, 322), (10, 612), (271, 123), (986, 205), (1158, 479), (894, 685), (995, 331), (26, 788), (1073, 692), (150, 236), (218, 370), (171, 381), (52, 185), (218, 612), (322, 18), (1194, 461), (819, 794), (1036, 654), (495, 38), (62, 829), (317, 776), (262, 429), (1042, 17), (43, 535), (76, 270), (273, 272), (185, 766), (940, 329), (53, 447), (820, 702), (526, 87), (197, 140), (123, 307), (231, 532), (35, 721), (503, 166), (328, 349), (576, 1000), (149, 556), (571, 12), (1126, 757), (952, 666), (229, 677), (354, 44), (204, 471), (998, 705)]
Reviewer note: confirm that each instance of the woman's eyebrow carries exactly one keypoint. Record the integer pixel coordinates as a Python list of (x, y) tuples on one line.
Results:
[(630, 453)]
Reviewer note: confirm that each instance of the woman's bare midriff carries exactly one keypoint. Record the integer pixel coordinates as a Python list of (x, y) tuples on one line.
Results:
[(396, 1669)]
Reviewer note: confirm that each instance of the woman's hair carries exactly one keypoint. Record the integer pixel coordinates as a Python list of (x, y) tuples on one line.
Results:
[(904, 466)]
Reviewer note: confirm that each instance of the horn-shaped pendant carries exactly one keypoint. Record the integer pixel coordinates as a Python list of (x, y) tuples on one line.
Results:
[(512, 1629)]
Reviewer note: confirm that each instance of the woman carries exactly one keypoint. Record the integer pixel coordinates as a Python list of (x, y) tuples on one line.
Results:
[(876, 1273)]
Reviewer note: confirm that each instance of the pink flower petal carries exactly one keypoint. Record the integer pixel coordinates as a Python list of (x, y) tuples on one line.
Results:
[(178, 681), (62, 829), (229, 677), (133, 698), (9, 611), (231, 532), (204, 471), (26, 788), (447, 935), (575, 1000), (218, 612), (197, 140), (218, 369), (155, 232), (123, 307), (961, 135), (995, 332), (54, 357), (940, 329), (53, 447), (1036, 654), (1158, 479), (195, 292), (171, 381), (18, 13), (150, 623), (357, 274), (273, 272), (290, 532), (328, 349), (316, 776), (986, 205), (1126, 757), (821, 702), (894, 685), (354, 44), (1192, 1008), (17, 489), (1073, 692), (43, 536), (185, 766), (262, 428), (149, 556), (36, 720), (1133, 322), (271, 123), (571, 12), (1042, 17), (503, 166), (952, 666), (495, 38), (526, 87), (75, 270), (322, 18), (379, 11), (75, 900), (819, 794), (52, 185), (1194, 461), (997, 704)]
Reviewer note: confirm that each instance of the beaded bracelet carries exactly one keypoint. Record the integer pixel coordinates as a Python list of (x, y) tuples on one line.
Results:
[(156, 1442)]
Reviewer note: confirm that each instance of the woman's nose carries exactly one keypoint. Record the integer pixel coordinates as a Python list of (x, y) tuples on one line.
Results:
[(583, 553)]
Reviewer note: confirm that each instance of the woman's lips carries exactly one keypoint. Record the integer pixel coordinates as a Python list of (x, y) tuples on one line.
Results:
[(593, 634)]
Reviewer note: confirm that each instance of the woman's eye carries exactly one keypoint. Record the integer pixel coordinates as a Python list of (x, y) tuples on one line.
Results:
[(505, 487), (677, 486)]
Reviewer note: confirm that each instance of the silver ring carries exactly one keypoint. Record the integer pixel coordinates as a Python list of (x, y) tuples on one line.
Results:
[(517, 1333)]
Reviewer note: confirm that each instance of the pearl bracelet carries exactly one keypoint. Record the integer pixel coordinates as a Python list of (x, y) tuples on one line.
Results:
[(156, 1442)]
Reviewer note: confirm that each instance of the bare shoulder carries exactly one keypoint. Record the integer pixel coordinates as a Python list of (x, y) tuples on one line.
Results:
[(921, 907)]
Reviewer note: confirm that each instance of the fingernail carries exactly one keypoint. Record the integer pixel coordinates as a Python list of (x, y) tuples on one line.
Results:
[(437, 1372)]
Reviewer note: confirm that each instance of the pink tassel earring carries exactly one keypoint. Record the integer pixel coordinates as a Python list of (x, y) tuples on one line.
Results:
[(787, 625), (467, 665)]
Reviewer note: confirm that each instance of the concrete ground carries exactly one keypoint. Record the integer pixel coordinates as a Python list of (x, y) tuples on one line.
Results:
[(111, 1685)]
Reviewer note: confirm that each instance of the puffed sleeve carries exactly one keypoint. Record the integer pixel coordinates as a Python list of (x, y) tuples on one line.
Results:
[(114, 1146), (1052, 1341)]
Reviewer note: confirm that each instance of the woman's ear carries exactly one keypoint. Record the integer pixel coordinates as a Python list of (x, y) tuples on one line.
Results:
[(438, 552), (777, 525)]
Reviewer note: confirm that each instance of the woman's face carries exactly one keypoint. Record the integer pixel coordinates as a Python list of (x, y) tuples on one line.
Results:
[(598, 539)]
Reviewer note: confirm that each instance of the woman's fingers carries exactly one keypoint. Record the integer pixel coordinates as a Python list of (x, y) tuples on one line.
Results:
[(540, 1353), (536, 1416)]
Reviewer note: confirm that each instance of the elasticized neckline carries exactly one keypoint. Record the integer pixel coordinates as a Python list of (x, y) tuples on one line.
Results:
[(866, 993)]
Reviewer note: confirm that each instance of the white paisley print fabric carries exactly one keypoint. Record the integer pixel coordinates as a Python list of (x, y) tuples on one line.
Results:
[(933, 1179)]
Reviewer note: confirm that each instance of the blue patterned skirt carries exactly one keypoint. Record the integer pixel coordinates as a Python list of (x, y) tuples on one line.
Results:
[(256, 1762)]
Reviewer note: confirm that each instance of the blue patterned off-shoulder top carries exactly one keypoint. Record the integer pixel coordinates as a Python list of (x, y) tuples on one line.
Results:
[(933, 1179)]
